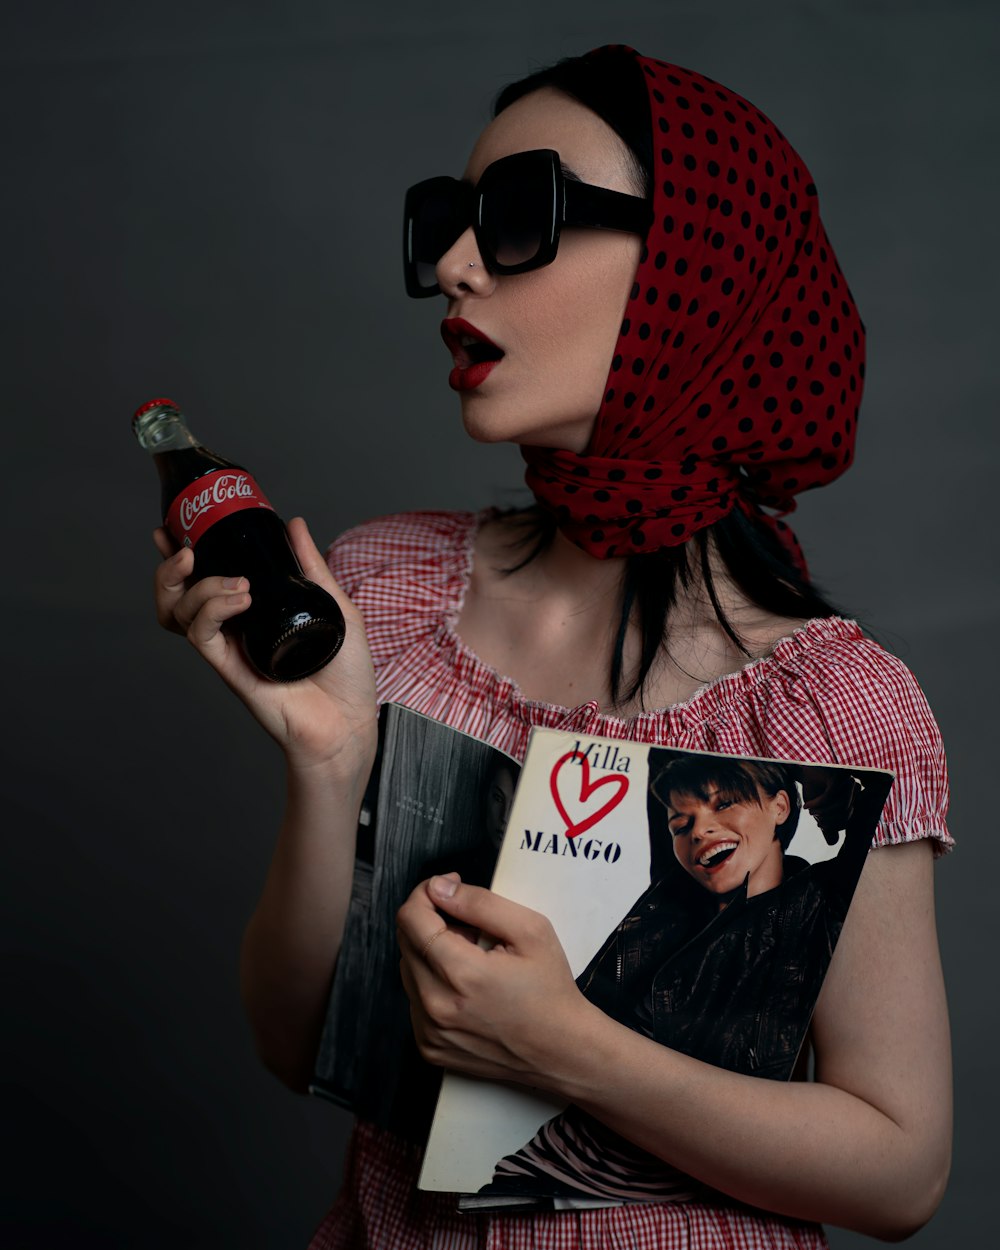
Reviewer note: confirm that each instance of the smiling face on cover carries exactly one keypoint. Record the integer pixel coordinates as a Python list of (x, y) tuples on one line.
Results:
[(719, 839), (556, 326)]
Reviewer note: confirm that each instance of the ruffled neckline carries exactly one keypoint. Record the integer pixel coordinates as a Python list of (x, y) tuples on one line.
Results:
[(471, 670)]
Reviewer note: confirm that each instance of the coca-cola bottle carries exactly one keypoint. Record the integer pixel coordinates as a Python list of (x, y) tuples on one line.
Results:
[(292, 627)]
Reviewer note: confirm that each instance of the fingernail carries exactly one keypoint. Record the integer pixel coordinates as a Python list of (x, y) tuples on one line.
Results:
[(232, 583), (443, 887)]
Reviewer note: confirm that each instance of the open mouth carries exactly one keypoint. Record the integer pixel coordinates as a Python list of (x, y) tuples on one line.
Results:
[(473, 354), (468, 345), (476, 351), (717, 855)]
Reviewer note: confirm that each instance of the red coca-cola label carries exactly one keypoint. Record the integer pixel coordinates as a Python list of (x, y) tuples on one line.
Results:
[(210, 498)]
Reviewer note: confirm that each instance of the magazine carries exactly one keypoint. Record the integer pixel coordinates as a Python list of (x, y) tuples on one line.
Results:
[(437, 801), (698, 898)]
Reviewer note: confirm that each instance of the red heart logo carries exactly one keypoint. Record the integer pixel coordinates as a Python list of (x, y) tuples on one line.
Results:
[(587, 788)]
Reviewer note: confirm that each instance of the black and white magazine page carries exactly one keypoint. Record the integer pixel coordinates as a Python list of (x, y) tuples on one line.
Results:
[(698, 898), (438, 800)]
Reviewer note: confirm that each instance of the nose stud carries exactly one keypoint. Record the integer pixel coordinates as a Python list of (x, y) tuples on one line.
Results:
[(472, 264)]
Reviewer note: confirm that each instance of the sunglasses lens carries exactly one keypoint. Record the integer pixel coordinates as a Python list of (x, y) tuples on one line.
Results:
[(435, 216), (514, 205), (516, 218)]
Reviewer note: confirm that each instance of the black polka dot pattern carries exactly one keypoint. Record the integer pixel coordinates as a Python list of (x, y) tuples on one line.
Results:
[(738, 371)]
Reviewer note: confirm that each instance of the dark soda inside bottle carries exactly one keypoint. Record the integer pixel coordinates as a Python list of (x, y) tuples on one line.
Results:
[(292, 627)]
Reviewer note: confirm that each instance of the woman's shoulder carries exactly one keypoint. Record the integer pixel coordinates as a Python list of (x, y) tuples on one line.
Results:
[(393, 546), (835, 694), (401, 534), (859, 688), (826, 666), (407, 574)]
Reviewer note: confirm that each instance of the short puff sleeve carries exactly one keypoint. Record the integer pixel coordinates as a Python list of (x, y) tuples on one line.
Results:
[(855, 703)]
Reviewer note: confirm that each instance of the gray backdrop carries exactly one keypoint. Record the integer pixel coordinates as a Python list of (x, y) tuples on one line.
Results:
[(203, 200)]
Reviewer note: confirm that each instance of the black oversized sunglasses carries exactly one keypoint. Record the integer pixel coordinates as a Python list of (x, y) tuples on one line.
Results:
[(517, 210)]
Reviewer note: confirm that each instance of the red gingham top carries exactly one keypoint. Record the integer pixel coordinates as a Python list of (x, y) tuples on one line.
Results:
[(825, 693)]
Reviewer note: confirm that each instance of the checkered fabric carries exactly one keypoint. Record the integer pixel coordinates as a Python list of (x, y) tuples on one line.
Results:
[(826, 693)]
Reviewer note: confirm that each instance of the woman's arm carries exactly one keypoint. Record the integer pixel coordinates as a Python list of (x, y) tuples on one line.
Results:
[(326, 728), (867, 1146), (292, 939)]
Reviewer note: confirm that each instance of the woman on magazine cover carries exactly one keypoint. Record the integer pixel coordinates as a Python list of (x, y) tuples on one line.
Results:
[(639, 292), (721, 957)]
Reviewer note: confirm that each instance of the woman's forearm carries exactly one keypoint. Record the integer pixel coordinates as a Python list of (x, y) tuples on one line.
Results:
[(809, 1151), (292, 939), (867, 1146)]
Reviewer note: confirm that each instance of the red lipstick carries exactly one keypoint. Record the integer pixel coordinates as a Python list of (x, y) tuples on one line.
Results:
[(732, 845), (475, 355)]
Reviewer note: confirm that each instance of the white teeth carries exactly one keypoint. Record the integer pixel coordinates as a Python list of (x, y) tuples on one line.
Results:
[(469, 340), (715, 851)]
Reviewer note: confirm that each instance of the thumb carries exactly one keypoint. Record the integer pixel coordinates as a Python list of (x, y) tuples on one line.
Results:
[(514, 925), (305, 549), (312, 562)]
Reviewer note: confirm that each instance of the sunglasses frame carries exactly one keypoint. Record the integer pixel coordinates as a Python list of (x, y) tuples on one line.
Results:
[(573, 204)]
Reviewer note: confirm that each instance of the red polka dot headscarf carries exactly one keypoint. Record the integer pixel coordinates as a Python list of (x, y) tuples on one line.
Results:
[(738, 371)]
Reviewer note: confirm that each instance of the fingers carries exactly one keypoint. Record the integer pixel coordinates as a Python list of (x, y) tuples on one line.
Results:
[(179, 604), (427, 943), (517, 927), (496, 1011), (418, 984), (418, 921), (197, 611), (170, 581), (207, 606), (432, 939)]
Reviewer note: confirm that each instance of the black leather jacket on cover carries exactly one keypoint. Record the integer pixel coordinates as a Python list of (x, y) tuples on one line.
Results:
[(734, 988)]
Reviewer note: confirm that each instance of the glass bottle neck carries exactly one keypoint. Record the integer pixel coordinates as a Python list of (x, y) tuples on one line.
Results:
[(163, 429)]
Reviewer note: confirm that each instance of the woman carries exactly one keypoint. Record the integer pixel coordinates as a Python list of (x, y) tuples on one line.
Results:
[(718, 389), (730, 823)]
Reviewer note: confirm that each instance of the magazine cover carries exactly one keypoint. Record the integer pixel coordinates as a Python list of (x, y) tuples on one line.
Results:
[(698, 898), (437, 800)]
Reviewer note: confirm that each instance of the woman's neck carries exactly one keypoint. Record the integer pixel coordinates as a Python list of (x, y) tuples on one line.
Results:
[(551, 625)]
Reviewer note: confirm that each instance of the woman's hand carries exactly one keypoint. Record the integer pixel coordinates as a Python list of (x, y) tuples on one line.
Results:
[(327, 726), (865, 1146), (316, 720), (506, 1013), (829, 795)]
